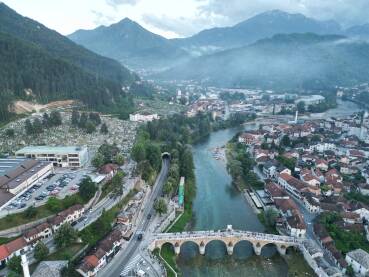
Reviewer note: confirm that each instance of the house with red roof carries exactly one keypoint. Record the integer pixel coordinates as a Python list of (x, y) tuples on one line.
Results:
[(109, 170), (4, 254)]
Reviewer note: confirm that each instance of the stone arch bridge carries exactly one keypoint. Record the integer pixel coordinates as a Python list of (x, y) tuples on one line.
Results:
[(230, 237)]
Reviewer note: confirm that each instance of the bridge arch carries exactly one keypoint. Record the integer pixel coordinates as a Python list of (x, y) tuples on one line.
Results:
[(243, 249), (166, 246), (216, 248), (269, 249), (191, 248)]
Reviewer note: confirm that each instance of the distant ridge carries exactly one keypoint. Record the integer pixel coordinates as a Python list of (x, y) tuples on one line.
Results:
[(131, 44)]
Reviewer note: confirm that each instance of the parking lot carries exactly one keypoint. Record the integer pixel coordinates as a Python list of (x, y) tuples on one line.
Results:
[(58, 185)]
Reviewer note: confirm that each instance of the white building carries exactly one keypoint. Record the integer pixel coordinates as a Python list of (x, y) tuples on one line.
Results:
[(311, 100), (359, 260), (143, 118), (60, 156)]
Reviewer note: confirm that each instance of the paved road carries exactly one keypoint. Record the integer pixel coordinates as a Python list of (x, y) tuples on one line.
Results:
[(120, 261)]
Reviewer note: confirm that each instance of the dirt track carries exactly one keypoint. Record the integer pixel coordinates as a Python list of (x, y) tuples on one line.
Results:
[(27, 107)]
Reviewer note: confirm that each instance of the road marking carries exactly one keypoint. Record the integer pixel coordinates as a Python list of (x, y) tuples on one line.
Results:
[(131, 264)]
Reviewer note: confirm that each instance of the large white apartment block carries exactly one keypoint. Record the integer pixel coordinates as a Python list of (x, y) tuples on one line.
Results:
[(60, 156)]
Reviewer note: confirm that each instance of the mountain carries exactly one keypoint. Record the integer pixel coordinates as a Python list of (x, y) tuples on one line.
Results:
[(49, 66), (131, 44), (292, 61), (59, 46), (261, 26)]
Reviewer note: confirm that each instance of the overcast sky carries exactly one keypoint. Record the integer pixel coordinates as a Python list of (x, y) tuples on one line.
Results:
[(178, 18)]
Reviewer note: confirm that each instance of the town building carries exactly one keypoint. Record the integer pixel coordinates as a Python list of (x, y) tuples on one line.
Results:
[(17, 175), (311, 99), (359, 260), (69, 215), (60, 156), (143, 118), (102, 255)]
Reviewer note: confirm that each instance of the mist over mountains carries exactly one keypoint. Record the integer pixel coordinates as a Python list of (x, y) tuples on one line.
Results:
[(248, 53), (287, 61)]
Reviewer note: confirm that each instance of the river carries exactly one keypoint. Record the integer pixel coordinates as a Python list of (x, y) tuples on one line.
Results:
[(218, 204)]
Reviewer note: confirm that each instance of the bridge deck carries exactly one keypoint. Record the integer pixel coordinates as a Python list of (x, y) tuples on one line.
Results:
[(226, 234)]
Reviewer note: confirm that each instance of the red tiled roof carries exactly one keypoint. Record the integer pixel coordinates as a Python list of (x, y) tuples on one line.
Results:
[(92, 261), (108, 168), (275, 190), (16, 245), (4, 253)]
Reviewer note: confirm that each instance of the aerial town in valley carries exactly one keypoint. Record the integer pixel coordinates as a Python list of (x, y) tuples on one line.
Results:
[(239, 150), (312, 179)]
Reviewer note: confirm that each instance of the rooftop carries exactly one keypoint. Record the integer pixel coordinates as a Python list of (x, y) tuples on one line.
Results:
[(8, 164), (360, 256), (49, 269), (51, 150)]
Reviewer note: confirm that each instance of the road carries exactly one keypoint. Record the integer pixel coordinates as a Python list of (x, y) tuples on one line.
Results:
[(116, 266)]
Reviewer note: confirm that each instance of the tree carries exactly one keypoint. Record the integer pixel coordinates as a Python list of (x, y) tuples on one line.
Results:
[(54, 205), (301, 106), (286, 141), (270, 216), (46, 120), (41, 251), (55, 118), (153, 155), (104, 129), (95, 117), (350, 271), (65, 235), (83, 120), (108, 151), (116, 183), (14, 264), (30, 212), (90, 127), (87, 189), (119, 159), (37, 126), (75, 118), (146, 170), (10, 132), (168, 187), (29, 127), (98, 160), (160, 206), (138, 152)]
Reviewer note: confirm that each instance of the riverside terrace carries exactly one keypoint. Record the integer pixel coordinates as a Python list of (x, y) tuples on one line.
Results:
[(229, 236)]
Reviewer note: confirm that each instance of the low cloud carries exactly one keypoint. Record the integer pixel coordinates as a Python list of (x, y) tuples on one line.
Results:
[(102, 19), (182, 26), (116, 3)]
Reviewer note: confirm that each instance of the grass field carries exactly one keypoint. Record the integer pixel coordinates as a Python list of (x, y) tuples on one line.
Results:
[(13, 220)]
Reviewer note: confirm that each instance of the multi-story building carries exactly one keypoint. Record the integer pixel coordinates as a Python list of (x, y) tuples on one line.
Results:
[(60, 156), (17, 175)]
